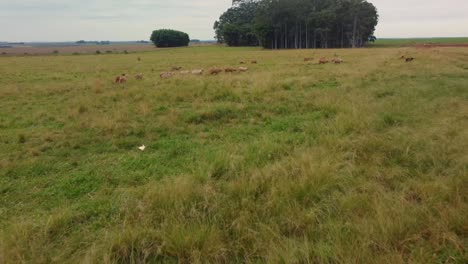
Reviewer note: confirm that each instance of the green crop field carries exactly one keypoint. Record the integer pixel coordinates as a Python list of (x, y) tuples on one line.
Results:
[(289, 162), (386, 43)]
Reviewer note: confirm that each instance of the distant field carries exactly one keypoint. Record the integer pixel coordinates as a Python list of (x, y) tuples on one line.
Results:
[(290, 162), (67, 49), (77, 49), (419, 41)]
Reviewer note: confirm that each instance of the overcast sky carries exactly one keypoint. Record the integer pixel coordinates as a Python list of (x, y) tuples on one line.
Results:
[(70, 20)]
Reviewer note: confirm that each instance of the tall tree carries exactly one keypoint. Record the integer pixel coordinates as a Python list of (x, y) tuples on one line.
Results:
[(235, 27), (285, 24)]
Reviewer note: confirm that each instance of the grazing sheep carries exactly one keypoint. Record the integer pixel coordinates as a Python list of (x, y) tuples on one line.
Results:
[(337, 60), (121, 78), (139, 76), (243, 69), (197, 72), (215, 71), (176, 68), (308, 59), (242, 62), (230, 70), (409, 59), (323, 61), (165, 75), (254, 62)]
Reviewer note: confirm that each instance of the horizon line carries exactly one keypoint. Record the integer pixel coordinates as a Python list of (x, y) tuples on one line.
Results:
[(74, 41)]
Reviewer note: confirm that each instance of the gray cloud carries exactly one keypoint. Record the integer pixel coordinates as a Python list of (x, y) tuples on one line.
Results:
[(61, 20), (422, 18)]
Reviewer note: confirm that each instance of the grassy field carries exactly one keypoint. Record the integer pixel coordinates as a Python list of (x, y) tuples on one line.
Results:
[(386, 43), (290, 162)]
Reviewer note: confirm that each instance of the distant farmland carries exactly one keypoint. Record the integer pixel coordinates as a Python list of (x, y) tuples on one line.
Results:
[(419, 41), (74, 49)]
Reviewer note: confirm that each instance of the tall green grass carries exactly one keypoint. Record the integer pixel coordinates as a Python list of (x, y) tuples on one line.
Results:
[(291, 162)]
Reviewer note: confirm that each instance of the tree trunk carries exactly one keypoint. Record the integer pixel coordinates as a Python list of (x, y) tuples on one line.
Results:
[(286, 37), (342, 37), (315, 38), (354, 31), (300, 36)]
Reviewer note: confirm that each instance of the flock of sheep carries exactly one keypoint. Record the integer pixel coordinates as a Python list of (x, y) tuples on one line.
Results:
[(215, 71), (123, 78), (212, 71)]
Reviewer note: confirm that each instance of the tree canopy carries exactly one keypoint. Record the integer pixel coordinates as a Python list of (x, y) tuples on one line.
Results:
[(280, 24), (164, 38)]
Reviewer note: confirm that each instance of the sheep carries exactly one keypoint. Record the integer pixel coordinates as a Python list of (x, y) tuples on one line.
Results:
[(409, 59), (253, 62), (197, 72), (243, 69), (176, 68), (139, 76), (323, 61), (165, 75), (230, 70), (337, 60), (242, 62), (121, 78), (215, 71)]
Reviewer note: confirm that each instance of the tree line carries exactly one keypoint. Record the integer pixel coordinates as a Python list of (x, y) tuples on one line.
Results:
[(288, 24)]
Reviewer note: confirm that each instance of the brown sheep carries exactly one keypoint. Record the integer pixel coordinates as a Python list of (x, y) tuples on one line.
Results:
[(409, 59), (165, 75), (242, 62), (215, 71), (176, 68), (323, 61), (121, 78), (230, 70), (254, 62)]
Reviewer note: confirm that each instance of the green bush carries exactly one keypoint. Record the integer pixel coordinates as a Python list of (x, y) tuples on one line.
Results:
[(164, 38)]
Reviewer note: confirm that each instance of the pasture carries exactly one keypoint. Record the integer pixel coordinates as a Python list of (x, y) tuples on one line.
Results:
[(408, 42), (289, 162)]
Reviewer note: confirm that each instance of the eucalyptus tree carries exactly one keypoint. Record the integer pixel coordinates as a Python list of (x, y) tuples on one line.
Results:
[(285, 24)]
